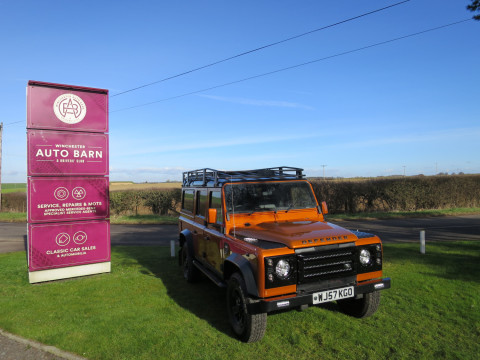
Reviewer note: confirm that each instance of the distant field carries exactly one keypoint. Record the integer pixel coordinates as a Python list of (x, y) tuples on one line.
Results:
[(119, 186), (114, 186), (13, 187)]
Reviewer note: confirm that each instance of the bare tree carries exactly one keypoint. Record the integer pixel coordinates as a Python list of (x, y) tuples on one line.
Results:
[(475, 7)]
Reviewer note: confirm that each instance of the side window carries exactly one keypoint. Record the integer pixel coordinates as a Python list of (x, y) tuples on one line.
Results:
[(187, 203), (201, 202), (216, 203)]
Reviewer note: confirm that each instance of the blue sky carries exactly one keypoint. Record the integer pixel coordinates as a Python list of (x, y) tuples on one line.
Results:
[(409, 105)]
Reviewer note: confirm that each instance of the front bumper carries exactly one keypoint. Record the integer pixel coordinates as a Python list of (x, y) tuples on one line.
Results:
[(296, 301)]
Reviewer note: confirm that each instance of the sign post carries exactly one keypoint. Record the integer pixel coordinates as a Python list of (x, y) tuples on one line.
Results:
[(1, 130), (67, 168)]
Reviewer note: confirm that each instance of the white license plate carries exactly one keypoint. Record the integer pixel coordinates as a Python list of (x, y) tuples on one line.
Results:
[(331, 295)]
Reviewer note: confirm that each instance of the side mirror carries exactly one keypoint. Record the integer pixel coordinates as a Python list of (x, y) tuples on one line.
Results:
[(324, 208), (212, 216)]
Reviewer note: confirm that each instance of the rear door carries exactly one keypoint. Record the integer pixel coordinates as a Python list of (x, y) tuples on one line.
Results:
[(200, 223), (213, 233)]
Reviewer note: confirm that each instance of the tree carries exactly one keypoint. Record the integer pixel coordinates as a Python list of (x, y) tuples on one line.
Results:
[(475, 6)]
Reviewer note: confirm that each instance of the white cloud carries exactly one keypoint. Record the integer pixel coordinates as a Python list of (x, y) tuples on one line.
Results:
[(146, 173), (433, 136), (216, 143), (270, 103)]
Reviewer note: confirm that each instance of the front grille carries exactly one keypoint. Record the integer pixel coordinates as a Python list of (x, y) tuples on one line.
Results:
[(325, 264)]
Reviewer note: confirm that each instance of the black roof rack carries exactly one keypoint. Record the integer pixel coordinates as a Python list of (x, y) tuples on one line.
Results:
[(216, 178)]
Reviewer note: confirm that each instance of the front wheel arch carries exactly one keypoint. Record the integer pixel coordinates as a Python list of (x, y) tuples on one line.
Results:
[(237, 263)]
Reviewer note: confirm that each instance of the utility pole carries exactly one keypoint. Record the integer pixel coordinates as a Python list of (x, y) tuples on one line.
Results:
[(404, 170), (323, 171), (1, 131)]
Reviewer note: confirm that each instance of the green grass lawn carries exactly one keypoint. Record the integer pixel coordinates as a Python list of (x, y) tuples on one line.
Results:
[(145, 310)]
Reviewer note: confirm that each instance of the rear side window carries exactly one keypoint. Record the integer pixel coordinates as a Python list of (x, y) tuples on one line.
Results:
[(201, 202), (187, 203), (216, 203)]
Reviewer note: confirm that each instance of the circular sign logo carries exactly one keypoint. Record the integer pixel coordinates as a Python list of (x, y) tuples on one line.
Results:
[(62, 239), (69, 108), (60, 193), (78, 193), (80, 237)]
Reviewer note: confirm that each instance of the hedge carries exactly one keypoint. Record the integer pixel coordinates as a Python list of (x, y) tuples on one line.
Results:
[(129, 202), (342, 196), (158, 202), (399, 194)]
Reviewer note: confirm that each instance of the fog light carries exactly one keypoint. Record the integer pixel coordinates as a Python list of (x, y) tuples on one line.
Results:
[(365, 257), (270, 277), (379, 261), (378, 247)]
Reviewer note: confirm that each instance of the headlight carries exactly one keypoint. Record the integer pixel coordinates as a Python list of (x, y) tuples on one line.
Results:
[(365, 257), (369, 258), (282, 269)]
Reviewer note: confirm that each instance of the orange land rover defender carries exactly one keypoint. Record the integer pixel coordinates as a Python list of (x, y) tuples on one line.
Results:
[(263, 236)]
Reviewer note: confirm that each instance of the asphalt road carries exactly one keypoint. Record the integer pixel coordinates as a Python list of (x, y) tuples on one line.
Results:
[(13, 235), (445, 228)]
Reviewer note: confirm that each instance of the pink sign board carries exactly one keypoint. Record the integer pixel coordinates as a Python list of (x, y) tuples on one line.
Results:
[(58, 245), (64, 107), (52, 153), (67, 198)]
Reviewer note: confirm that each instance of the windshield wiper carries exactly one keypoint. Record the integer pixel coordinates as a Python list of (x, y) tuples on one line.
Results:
[(291, 206), (260, 209)]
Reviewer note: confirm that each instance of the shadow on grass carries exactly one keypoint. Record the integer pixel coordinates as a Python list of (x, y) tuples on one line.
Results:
[(454, 260), (203, 298)]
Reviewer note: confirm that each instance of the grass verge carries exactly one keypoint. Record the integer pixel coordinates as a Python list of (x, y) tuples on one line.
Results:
[(144, 219), (145, 310), (13, 217), (138, 219), (173, 220), (405, 214)]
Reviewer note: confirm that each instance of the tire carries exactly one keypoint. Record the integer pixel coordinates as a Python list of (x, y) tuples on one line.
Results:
[(247, 327), (361, 308), (190, 272)]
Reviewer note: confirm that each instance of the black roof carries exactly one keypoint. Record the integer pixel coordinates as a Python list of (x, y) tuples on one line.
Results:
[(216, 178)]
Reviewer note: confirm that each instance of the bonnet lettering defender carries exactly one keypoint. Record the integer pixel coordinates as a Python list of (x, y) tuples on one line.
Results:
[(262, 235)]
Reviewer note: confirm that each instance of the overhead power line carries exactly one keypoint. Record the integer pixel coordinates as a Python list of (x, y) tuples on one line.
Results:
[(15, 122), (260, 48), (298, 65)]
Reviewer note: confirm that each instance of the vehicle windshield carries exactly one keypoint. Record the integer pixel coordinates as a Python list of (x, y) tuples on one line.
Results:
[(268, 196)]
